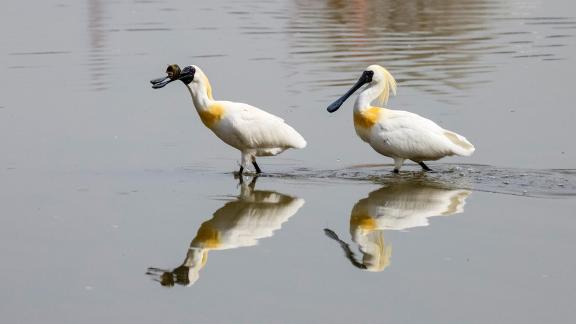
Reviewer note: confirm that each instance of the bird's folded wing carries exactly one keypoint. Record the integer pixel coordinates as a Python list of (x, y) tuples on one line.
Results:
[(413, 136), (259, 129)]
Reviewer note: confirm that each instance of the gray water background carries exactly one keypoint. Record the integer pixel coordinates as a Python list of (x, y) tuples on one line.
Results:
[(103, 177)]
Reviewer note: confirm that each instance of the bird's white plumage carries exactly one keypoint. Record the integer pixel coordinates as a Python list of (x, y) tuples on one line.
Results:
[(255, 215), (249, 129), (256, 131), (399, 206), (400, 134), (409, 204)]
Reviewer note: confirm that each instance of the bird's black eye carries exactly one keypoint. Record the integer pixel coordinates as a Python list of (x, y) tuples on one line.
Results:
[(367, 76), (189, 69), (187, 74)]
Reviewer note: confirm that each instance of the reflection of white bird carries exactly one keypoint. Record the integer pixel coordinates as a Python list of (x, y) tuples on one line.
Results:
[(398, 206), (398, 134), (252, 131), (256, 214)]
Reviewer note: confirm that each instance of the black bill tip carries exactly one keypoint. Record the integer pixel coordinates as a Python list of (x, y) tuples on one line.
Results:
[(160, 82), (155, 81), (335, 106)]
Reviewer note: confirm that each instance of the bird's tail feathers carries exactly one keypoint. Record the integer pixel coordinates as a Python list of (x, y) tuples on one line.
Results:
[(296, 140), (461, 146)]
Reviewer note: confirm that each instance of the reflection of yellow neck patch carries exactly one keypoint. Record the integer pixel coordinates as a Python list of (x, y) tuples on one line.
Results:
[(367, 118), (363, 221), (211, 115), (207, 237)]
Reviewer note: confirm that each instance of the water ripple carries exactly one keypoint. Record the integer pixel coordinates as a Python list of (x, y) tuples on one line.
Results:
[(435, 46), (552, 183)]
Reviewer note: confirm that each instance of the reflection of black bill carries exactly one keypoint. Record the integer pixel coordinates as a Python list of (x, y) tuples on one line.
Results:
[(347, 250), (160, 82)]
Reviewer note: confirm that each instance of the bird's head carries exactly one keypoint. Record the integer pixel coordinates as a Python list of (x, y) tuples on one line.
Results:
[(173, 73), (183, 276), (372, 75)]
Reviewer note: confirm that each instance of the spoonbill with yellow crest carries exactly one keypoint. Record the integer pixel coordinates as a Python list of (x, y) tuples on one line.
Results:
[(252, 131), (397, 134)]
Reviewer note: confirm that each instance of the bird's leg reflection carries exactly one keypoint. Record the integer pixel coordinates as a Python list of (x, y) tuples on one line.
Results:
[(252, 183), (241, 183)]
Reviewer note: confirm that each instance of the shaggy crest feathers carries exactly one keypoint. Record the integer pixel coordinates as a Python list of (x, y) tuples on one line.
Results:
[(384, 253), (204, 79), (389, 86)]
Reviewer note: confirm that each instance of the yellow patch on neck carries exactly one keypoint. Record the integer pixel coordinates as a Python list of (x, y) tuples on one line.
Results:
[(212, 115), (367, 118), (363, 221), (207, 237)]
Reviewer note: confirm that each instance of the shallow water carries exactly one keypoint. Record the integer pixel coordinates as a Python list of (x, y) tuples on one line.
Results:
[(110, 188)]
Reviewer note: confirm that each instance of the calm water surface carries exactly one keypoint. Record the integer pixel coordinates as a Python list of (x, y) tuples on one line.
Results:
[(117, 205)]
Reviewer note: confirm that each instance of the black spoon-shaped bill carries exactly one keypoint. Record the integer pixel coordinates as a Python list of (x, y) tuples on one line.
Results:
[(173, 73), (160, 82), (365, 78)]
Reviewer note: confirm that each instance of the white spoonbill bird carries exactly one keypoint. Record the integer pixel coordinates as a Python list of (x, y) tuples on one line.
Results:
[(398, 206), (254, 215), (398, 134), (252, 131)]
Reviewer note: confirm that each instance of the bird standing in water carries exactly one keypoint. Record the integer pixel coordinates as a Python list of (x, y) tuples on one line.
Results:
[(252, 131), (397, 134)]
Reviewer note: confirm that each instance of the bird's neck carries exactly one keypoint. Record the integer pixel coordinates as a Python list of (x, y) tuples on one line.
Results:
[(201, 92), (196, 258), (367, 96), (194, 262)]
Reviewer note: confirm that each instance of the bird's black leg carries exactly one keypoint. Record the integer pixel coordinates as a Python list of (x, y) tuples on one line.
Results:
[(258, 171), (252, 184), (424, 166), (241, 170)]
